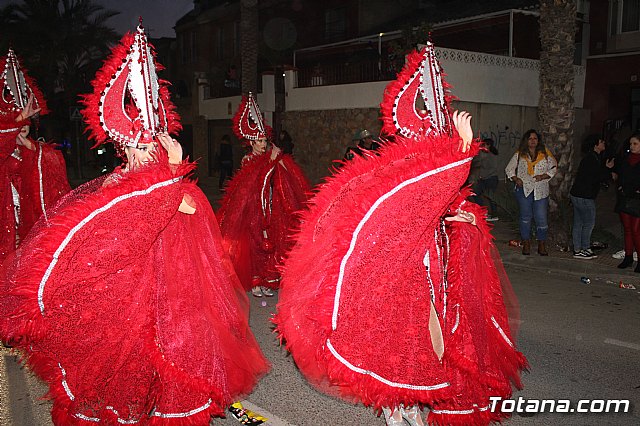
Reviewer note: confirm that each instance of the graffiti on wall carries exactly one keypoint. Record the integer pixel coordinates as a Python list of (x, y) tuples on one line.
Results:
[(504, 136)]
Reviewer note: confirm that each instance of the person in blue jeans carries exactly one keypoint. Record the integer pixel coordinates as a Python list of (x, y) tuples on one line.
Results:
[(530, 169), (591, 173)]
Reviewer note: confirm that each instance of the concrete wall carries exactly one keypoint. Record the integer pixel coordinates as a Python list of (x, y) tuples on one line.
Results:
[(506, 124), (321, 137)]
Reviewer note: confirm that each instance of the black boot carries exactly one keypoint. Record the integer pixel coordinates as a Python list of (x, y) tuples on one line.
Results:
[(637, 267), (628, 261)]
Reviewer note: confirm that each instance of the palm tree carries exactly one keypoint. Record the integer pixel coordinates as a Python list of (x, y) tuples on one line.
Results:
[(556, 113), (249, 45), (61, 42)]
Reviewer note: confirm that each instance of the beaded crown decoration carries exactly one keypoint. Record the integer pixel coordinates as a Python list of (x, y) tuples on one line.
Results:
[(248, 122), (417, 103), (129, 104), (17, 87)]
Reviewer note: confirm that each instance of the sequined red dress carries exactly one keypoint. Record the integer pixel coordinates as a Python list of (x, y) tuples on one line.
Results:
[(258, 213), (372, 256), (129, 309), (9, 186), (32, 181)]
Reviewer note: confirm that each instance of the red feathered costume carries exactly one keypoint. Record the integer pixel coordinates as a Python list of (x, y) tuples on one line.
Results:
[(31, 180), (374, 260), (259, 208), (127, 307), (9, 188)]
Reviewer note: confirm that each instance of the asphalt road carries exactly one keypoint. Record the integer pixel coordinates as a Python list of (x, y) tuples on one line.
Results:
[(582, 341)]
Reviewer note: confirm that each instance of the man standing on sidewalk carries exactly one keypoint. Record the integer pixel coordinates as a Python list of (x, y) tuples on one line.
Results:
[(584, 191)]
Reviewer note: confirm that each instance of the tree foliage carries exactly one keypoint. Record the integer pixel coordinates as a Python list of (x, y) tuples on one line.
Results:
[(61, 42)]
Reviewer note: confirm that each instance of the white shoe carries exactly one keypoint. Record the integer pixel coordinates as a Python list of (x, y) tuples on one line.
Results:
[(257, 292), (620, 255), (393, 418), (412, 415), (267, 291)]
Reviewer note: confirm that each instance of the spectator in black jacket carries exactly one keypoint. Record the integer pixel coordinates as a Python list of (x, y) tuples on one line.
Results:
[(591, 173), (627, 176)]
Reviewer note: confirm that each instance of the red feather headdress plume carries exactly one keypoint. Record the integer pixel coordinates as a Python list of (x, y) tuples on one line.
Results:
[(421, 76), (129, 104), (17, 87), (248, 122)]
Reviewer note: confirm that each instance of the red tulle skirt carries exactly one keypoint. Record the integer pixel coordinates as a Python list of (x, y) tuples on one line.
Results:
[(257, 215), (31, 182), (129, 309), (373, 259)]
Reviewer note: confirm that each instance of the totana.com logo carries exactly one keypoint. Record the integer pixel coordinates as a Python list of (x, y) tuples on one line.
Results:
[(522, 405)]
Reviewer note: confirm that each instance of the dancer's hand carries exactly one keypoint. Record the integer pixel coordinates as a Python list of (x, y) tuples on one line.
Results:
[(462, 216), (28, 111), (173, 147), (462, 121), (275, 151), (187, 205)]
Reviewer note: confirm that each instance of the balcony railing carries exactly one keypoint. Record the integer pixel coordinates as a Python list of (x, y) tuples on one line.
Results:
[(225, 89), (346, 73)]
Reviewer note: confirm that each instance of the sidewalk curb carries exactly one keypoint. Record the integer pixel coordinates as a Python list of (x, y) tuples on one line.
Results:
[(573, 267)]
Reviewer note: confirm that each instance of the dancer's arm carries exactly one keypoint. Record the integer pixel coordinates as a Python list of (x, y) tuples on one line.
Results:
[(174, 150)]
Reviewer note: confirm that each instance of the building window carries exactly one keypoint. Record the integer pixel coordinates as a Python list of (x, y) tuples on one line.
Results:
[(184, 57), (219, 52), (236, 38), (624, 16), (335, 24), (194, 47)]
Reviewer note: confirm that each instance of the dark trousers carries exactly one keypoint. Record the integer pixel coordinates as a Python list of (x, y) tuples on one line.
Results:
[(226, 171), (485, 189)]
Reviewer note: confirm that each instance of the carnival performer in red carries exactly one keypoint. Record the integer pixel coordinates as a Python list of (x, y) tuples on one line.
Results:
[(258, 209), (33, 175), (124, 301), (392, 294)]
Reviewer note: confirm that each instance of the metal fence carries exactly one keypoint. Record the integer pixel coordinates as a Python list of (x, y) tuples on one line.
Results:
[(345, 73)]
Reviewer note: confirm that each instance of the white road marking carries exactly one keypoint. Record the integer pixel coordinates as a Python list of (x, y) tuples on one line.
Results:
[(622, 344), (273, 419)]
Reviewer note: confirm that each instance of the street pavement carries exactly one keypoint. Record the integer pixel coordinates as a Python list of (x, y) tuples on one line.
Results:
[(582, 342)]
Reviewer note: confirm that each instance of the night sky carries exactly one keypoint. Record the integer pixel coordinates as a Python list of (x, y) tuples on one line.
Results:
[(159, 15)]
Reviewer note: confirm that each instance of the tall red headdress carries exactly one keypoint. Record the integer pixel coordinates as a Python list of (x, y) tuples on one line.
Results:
[(248, 122), (17, 87), (420, 82), (129, 103)]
